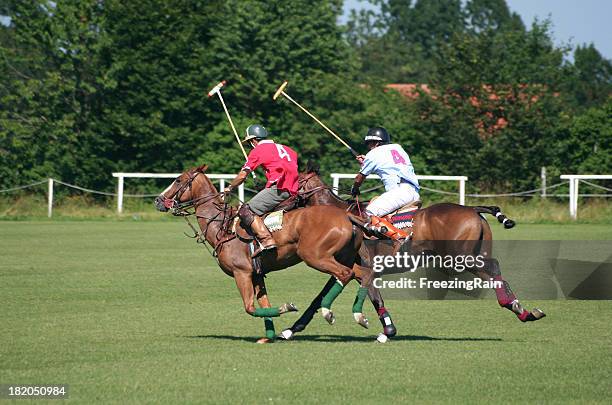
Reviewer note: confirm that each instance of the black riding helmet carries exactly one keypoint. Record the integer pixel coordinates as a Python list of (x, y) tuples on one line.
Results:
[(378, 134), (255, 131)]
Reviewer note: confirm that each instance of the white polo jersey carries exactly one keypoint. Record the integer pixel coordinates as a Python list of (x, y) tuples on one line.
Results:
[(392, 164)]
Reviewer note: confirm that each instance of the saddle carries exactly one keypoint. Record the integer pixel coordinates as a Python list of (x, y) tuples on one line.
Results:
[(402, 218)]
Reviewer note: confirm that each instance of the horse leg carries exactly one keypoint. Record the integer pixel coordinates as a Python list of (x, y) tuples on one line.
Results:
[(376, 298), (364, 275), (244, 282), (261, 294), (505, 295), (342, 274), (309, 313)]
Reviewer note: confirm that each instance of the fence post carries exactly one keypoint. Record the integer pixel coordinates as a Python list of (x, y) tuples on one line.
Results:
[(241, 193), (575, 199), (50, 200), (571, 197), (462, 192), (543, 177), (335, 184), (120, 195)]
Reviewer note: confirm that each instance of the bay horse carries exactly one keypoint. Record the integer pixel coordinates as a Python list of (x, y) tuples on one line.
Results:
[(433, 227), (321, 236)]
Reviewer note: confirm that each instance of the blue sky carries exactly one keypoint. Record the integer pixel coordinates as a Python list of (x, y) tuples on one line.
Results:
[(574, 21)]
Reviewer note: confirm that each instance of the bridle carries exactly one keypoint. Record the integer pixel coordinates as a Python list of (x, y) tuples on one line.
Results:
[(190, 207)]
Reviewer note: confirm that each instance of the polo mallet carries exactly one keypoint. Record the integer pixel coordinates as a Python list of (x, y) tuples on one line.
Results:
[(217, 90), (281, 90)]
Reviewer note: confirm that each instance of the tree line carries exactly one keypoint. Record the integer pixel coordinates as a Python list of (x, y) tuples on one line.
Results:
[(90, 87)]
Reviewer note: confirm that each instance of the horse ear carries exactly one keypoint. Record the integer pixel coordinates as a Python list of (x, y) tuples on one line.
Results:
[(312, 167), (203, 168)]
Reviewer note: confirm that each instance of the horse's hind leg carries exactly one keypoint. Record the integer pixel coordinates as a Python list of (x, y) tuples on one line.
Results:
[(342, 274), (375, 296), (505, 296), (309, 313)]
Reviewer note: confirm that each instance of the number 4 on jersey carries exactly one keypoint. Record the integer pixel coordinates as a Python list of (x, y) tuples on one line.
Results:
[(397, 158), (282, 153)]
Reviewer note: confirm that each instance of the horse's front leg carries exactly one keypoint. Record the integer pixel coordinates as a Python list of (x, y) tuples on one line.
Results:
[(244, 282), (259, 287)]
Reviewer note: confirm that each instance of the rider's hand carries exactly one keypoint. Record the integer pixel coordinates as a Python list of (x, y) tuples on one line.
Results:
[(227, 190), (355, 190), (360, 159)]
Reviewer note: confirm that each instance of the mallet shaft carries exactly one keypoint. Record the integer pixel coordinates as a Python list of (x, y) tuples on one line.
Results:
[(232, 125), (320, 123)]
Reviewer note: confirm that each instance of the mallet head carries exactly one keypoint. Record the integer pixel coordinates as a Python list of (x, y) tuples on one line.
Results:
[(280, 90), (217, 88)]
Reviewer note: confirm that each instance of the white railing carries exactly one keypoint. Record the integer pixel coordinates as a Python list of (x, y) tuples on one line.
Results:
[(122, 176), (574, 180), (461, 179)]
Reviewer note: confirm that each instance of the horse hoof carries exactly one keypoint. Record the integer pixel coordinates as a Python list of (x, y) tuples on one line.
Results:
[(287, 334), (263, 341), (382, 338), (287, 307), (328, 315), (534, 315), (361, 319)]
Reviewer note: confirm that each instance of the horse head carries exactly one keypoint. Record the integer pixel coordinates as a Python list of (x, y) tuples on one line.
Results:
[(189, 189)]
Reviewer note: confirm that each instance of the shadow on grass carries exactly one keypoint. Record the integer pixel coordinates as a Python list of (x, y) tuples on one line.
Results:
[(349, 338)]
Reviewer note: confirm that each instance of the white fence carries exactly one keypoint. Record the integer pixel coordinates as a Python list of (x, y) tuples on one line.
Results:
[(122, 176), (461, 179), (574, 181)]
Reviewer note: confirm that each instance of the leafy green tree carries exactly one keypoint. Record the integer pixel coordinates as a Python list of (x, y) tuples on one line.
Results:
[(51, 93), (491, 15), (591, 81)]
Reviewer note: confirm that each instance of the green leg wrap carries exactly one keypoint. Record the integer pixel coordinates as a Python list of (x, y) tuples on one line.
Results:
[(270, 334), (332, 295), (266, 312), (359, 298)]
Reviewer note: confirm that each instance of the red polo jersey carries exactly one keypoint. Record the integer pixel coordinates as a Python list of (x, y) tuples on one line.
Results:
[(280, 163)]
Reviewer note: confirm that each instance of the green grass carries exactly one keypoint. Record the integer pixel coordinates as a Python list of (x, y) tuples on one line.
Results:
[(136, 312)]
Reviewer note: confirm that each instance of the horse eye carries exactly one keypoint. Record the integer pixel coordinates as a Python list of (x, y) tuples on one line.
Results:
[(177, 181)]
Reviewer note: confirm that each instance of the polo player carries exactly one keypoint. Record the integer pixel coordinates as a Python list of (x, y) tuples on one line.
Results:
[(391, 162), (280, 164)]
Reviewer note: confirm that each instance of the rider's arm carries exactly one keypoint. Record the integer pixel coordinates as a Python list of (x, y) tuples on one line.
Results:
[(359, 179), (356, 184), (238, 180)]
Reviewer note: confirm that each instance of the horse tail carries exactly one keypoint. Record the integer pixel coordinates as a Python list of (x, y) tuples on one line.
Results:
[(496, 212)]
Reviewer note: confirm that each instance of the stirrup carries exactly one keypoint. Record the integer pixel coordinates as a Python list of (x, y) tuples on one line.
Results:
[(383, 227)]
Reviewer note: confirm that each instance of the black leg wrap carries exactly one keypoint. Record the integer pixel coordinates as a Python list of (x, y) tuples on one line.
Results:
[(388, 326), (309, 313)]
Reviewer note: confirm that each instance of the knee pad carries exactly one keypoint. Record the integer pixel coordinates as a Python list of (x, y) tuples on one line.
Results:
[(246, 215)]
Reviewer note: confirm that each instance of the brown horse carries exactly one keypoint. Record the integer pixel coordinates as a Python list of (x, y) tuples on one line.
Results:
[(433, 228), (321, 236)]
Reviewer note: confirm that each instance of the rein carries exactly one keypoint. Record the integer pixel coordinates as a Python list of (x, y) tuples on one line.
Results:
[(184, 209)]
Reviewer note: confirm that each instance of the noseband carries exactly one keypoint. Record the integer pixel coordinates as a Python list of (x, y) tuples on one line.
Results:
[(178, 208)]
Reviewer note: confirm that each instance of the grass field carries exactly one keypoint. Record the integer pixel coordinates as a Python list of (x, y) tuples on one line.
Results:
[(135, 312)]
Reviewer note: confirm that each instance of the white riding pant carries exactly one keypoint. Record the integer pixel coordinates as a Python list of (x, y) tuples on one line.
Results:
[(392, 200)]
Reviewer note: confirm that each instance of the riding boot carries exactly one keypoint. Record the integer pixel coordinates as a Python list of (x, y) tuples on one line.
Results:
[(263, 236), (384, 227)]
